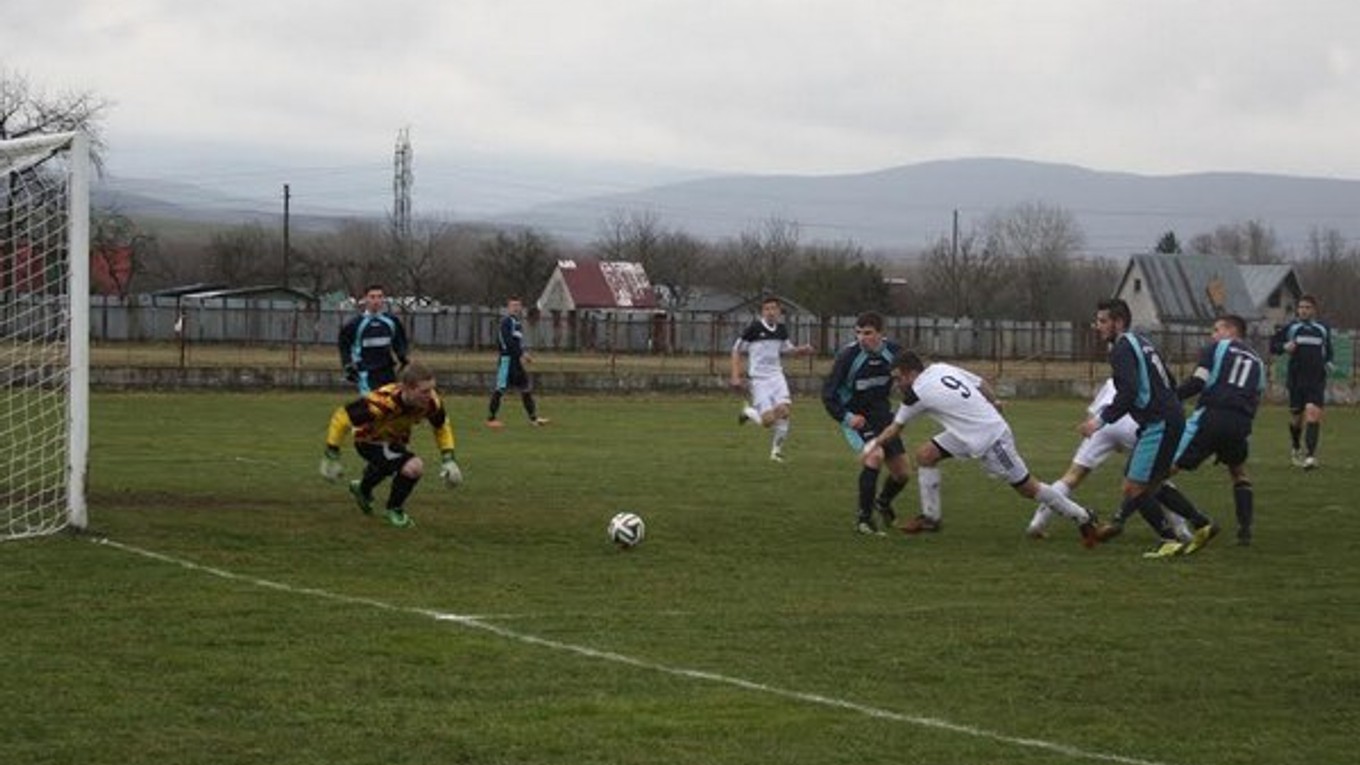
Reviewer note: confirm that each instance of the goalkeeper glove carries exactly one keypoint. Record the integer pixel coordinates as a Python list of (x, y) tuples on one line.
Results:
[(351, 373), (449, 471), (331, 469)]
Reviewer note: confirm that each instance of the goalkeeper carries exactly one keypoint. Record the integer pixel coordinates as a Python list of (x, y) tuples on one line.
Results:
[(382, 421)]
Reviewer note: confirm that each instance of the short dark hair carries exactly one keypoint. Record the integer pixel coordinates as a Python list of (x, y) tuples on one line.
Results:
[(374, 286), (870, 319), (1238, 323), (770, 299), (910, 361), (1309, 297), (1117, 308)]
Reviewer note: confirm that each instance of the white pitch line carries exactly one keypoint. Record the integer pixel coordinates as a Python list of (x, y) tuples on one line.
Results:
[(476, 622)]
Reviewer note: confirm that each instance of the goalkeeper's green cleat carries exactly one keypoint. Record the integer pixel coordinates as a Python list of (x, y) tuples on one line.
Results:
[(365, 503), (398, 517)]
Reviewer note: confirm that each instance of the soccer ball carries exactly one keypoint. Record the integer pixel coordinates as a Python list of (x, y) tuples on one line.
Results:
[(626, 529)]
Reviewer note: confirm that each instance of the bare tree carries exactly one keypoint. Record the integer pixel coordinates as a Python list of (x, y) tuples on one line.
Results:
[(762, 259), (961, 280), (836, 280), (1038, 241), (1252, 242), (1332, 273), (515, 264), (26, 110), (245, 253)]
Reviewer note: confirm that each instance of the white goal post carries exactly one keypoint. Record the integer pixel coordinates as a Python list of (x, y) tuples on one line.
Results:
[(44, 333)]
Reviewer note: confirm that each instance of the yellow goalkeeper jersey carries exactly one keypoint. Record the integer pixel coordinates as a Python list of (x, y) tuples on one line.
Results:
[(382, 417)]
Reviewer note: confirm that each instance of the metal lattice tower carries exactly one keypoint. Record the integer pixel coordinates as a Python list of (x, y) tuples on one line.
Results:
[(402, 181)]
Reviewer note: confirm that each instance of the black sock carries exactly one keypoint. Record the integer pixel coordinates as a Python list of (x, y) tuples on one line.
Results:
[(1146, 505), (1181, 505), (529, 407), (891, 488), (868, 486), (1310, 436), (1243, 500), (1294, 432), (495, 406), (401, 489), (370, 481)]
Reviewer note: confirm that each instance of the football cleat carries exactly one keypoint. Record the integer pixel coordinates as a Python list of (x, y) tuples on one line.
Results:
[(921, 524), (776, 455), (539, 422), (1310, 462), (398, 518), (1169, 548), (364, 503), (866, 527), (742, 419), (1104, 532), (1034, 532), (885, 512), (1090, 534), (1296, 457), (494, 424), (1202, 536)]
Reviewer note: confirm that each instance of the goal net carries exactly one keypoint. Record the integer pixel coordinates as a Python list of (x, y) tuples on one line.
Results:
[(44, 334)]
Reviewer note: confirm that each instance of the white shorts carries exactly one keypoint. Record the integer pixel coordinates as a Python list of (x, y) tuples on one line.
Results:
[(1001, 459), (1119, 437), (769, 392)]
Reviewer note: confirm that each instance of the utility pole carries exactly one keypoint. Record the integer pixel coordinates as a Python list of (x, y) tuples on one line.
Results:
[(287, 198)]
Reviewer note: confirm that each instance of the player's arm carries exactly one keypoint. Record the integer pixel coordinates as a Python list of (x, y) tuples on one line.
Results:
[(400, 345), (1197, 381), (738, 348), (445, 441), (342, 421), (908, 411), (831, 386), (345, 343), (1124, 371)]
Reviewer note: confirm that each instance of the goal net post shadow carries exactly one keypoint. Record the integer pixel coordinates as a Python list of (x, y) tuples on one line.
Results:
[(44, 334)]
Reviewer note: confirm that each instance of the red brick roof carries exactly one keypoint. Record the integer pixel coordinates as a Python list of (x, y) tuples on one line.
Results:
[(594, 284)]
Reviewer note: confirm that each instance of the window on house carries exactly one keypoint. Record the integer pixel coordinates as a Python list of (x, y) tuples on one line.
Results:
[(1274, 300), (1137, 285)]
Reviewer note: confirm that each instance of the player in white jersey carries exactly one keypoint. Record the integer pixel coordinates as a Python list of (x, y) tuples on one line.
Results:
[(764, 342), (1091, 453), (963, 404)]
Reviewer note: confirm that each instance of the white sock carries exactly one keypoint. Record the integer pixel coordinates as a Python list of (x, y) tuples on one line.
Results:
[(781, 434), (1043, 513), (928, 481), (1060, 503), (1179, 526)]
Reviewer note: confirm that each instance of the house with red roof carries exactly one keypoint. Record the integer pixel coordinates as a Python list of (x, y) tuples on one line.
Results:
[(591, 301)]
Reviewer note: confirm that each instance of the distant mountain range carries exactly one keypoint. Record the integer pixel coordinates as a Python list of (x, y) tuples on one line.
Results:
[(901, 209)]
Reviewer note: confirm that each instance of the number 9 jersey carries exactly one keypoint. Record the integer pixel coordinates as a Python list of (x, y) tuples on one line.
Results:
[(953, 397)]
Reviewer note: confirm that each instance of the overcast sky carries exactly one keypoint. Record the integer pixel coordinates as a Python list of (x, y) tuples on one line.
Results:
[(726, 86)]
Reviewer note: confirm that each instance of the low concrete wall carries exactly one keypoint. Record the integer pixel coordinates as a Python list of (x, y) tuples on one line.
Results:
[(263, 378)]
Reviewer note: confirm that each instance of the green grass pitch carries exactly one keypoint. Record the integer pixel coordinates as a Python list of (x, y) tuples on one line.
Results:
[(242, 610)]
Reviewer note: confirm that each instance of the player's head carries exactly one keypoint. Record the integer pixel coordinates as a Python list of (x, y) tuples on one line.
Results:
[(770, 308), (375, 299), (514, 305), (907, 368), (1113, 318), (1307, 307), (1230, 326), (869, 330), (417, 384)]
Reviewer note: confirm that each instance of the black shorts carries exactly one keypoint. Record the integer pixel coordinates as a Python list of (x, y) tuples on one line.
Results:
[(1302, 394), (875, 423), (510, 373), (1220, 433), (383, 458)]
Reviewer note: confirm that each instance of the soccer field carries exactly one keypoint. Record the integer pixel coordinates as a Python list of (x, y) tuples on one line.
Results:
[(229, 606)]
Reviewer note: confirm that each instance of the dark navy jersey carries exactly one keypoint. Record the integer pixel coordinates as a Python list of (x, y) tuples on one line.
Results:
[(860, 382), (1143, 388), (1312, 352), (1229, 376), (372, 341), (511, 337)]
